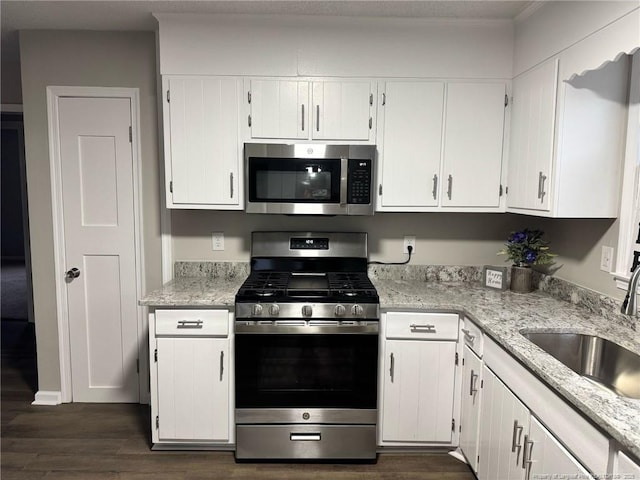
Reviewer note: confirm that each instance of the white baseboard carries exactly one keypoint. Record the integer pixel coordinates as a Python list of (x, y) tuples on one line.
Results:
[(44, 397)]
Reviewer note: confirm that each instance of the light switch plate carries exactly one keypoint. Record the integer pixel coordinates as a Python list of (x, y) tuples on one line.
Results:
[(217, 240), (606, 259)]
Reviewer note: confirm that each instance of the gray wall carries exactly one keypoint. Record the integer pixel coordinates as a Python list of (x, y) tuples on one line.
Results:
[(71, 58), (441, 238)]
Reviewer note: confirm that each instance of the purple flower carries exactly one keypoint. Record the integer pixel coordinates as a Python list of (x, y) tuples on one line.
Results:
[(530, 256), (517, 237)]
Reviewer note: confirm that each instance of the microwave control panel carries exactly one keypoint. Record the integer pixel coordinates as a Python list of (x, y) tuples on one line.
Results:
[(359, 182)]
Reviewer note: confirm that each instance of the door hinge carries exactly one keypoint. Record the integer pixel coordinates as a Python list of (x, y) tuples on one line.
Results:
[(380, 189), (168, 97), (478, 460), (137, 365), (130, 134), (500, 194), (371, 99), (249, 97), (370, 122), (456, 359), (460, 429), (506, 100), (249, 120), (384, 99), (463, 361), (157, 421), (453, 424), (171, 186), (481, 383), (155, 355), (506, 190)]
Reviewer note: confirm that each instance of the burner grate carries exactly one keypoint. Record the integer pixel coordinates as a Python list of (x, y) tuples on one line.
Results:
[(265, 284), (351, 284)]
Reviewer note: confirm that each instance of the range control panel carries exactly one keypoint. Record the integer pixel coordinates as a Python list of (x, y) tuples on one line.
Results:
[(309, 243)]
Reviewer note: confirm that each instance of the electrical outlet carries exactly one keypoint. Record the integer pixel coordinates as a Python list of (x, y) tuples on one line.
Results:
[(606, 259), (409, 240), (217, 239)]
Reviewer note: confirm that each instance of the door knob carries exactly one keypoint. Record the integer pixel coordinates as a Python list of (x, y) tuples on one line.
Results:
[(72, 274)]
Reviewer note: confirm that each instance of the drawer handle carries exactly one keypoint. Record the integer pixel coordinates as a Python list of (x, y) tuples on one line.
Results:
[(305, 437), (423, 328), (468, 335), (190, 323)]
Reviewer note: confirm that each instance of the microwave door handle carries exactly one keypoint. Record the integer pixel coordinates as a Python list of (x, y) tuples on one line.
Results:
[(344, 165)]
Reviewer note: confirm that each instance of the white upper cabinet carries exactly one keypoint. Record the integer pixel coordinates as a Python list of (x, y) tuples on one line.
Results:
[(328, 110), (409, 144), (343, 110), (202, 143), (533, 120), (278, 108), (440, 146), (472, 152), (567, 140)]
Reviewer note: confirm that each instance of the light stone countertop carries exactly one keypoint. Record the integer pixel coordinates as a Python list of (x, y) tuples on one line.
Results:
[(501, 314)]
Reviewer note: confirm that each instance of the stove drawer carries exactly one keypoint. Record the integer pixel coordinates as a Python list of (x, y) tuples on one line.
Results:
[(300, 442), (192, 322), (426, 326)]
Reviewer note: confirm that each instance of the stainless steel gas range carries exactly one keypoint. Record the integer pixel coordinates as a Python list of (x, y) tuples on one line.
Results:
[(306, 349)]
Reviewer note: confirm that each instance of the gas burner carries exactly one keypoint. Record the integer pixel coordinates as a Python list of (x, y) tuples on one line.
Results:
[(266, 293)]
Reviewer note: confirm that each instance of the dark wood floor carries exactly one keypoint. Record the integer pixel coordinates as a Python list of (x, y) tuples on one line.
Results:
[(111, 441)]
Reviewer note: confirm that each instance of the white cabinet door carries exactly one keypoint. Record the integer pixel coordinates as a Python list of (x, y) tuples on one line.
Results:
[(505, 422), (342, 110), (279, 108), (627, 468), (202, 149), (472, 150), (532, 134), (418, 391), (193, 389), (470, 406), (409, 144), (546, 458)]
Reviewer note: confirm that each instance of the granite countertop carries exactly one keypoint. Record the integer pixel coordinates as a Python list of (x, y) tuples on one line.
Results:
[(501, 314)]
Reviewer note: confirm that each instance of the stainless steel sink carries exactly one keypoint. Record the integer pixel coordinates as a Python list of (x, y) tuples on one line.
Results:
[(600, 360)]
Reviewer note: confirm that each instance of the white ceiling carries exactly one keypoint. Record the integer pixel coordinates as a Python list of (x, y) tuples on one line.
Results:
[(137, 14)]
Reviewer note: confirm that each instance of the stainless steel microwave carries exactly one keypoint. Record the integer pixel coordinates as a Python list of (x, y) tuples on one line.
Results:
[(309, 178)]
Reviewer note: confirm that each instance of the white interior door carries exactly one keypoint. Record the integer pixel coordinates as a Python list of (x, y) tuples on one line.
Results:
[(99, 235)]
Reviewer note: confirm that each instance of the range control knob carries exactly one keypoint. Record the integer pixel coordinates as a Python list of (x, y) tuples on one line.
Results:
[(340, 311), (307, 310), (274, 310), (256, 310), (357, 311)]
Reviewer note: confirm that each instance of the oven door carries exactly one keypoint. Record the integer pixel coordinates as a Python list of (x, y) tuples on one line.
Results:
[(306, 371)]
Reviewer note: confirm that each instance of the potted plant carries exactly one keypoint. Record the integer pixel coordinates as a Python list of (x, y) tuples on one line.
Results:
[(526, 248)]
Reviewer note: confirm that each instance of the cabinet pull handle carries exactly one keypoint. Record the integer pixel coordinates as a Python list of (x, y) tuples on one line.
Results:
[(449, 186), (302, 116), (221, 364), (468, 335), (435, 186), (391, 368), (428, 328), (317, 118), (189, 324), (526, 457), (231, 183), (472, 386), (515, 440), (541, 192)]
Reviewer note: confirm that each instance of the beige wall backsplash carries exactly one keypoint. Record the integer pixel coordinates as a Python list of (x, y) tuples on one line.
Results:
[(441, 238)]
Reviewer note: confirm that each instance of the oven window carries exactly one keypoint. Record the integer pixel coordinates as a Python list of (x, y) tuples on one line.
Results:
[(300, 180), (313, 371)]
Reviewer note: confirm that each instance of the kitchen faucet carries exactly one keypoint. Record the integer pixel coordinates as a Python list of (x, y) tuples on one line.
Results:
[(629, 306)]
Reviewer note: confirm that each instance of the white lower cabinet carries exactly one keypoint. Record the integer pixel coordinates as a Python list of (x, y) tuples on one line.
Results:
[(470, 406), (626, 468), (191, 369), (418, 377)]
